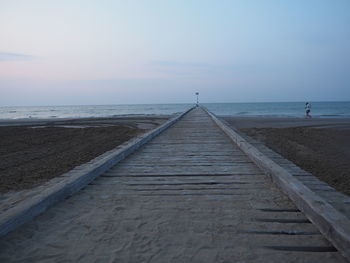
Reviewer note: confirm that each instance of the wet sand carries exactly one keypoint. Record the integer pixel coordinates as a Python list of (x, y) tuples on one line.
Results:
[(319, 146), (34, 151)]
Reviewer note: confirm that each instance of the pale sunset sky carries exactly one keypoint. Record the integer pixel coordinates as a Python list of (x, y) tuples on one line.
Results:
[(71, 52)]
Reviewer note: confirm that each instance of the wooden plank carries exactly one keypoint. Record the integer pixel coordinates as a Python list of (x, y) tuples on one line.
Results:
[(165, 201), (332, 224), (74, 180)]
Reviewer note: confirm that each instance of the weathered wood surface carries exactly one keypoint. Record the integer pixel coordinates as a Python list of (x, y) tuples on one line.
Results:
[(190, 195), (330, 221), (22, 207), (339, 201)]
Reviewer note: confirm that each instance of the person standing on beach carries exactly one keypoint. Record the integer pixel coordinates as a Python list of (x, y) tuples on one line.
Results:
[(308, 109)]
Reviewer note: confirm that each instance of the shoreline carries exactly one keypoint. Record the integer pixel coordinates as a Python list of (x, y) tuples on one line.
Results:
[(40, 121)]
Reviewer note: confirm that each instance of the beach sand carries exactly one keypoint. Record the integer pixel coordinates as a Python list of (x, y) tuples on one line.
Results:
[(319, 146), (165, 204), (34, 151)]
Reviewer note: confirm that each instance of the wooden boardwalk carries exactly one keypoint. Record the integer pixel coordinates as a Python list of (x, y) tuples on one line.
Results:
[(189, 195)]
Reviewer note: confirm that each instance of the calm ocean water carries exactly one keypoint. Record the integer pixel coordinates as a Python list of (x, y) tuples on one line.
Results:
[(275, 109)]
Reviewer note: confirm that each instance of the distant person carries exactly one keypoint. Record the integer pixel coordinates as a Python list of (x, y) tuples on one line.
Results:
[(308, 109)]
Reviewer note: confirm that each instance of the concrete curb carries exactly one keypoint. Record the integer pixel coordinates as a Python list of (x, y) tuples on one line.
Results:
[(75, 180), (331, 223)]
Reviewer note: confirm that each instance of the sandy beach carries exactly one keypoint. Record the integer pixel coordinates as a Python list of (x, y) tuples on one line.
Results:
[(189, 195), (319, 146), (34, 151)]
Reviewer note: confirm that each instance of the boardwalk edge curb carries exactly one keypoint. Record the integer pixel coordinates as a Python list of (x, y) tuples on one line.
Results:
[(75, 180), (332, 224)]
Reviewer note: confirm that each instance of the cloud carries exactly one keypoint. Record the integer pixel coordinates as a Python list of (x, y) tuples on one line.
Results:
[(7, 56)]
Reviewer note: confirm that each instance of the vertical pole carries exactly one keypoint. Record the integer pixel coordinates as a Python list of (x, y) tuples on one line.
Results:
[(197, 94)]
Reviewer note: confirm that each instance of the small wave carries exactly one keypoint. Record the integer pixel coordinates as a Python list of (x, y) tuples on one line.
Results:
[(242, 113), (331, 115), (12, 111)]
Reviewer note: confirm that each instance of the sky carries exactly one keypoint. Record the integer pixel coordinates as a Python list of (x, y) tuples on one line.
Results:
[(84, 52)]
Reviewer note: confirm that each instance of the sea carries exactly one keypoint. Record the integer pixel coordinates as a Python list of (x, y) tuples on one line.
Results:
[(263, 109)]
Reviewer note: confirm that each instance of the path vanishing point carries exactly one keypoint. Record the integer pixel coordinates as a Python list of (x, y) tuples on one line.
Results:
[(188, 195)]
